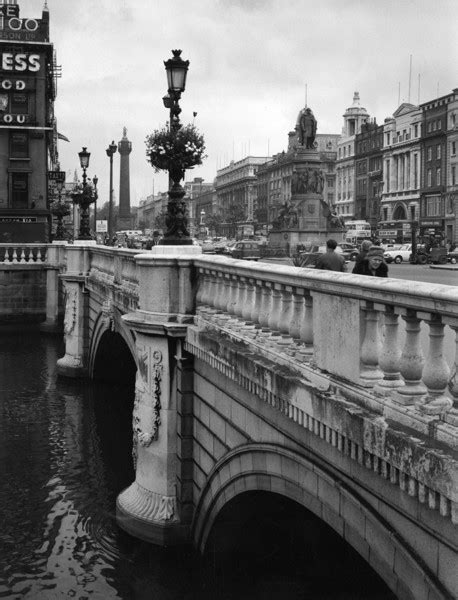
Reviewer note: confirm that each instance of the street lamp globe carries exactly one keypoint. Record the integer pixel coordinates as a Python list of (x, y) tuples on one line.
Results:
[(84, 158), (177, 69)]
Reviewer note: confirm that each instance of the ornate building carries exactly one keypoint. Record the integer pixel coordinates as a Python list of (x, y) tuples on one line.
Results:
[(437, 217), (400, 203), (354, 117), (451, 203), (28, 133), (236, 190)]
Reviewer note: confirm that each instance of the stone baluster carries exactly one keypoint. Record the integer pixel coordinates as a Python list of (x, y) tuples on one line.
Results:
[(218, 303), (436, 373), (247, 307), (204, 285), (371, 347), (411, 363), (297, 314), (452, 416), (211, 291), (286, 309), (265, 305), (390, 353), (225, 300), (275, 311), (306, 328), (200, 288), (256, 306), (16, 255), (233, 295), (241, 296)]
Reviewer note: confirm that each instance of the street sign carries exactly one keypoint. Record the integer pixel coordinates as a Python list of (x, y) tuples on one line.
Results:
[(56, 176), (102, 226)]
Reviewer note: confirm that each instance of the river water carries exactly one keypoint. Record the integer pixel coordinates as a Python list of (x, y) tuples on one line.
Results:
[(65, 454)]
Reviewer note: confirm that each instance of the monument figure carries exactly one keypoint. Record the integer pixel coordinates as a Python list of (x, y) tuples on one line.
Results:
[(307, 128)]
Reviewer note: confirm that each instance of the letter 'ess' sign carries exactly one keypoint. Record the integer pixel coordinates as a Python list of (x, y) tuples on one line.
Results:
[(19, 62)]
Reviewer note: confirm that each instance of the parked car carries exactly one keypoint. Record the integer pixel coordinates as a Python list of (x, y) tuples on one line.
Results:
[(398, 255), (247, 250), (453, 256)]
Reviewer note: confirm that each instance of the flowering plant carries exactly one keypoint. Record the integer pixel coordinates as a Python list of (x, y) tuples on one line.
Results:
[(59, 208), (83, 194), (183, 148)]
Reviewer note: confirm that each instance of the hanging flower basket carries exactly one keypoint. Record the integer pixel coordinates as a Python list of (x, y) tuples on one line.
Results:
[(83, 195), (59, 208), (175, 149)]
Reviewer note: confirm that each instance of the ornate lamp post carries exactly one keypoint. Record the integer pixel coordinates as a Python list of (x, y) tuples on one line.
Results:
[(176, 221), (110, 152), (60, 210), (84, 196), (95, 181)]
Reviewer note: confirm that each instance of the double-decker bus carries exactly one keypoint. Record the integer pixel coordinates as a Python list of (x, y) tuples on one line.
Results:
[(357, 231)]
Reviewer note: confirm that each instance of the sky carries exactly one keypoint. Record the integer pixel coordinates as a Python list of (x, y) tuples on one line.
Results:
[(253, 65)]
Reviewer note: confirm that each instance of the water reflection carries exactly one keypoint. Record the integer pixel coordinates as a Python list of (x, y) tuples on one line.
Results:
[(65, 451)]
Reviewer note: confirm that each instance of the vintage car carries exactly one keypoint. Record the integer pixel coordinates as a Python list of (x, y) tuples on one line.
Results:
[(398, 255), (246, 249)]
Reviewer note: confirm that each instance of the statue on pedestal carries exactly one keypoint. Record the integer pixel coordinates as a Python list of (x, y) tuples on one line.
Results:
[(306, 128)]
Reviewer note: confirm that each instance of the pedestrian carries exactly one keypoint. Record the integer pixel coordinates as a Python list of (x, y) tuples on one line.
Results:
[(373, 263), (365, 245), (331, 260)]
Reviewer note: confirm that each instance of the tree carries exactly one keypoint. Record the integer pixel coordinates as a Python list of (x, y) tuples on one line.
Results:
[(213, 222), (234, 215)]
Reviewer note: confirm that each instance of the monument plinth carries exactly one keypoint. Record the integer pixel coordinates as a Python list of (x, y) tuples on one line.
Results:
[(307, 217)]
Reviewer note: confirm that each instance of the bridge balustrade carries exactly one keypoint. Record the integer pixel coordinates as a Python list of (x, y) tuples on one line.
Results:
[(23, 253), (387, 337)]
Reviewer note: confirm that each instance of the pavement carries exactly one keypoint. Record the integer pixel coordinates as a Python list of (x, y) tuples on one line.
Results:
[(445, 267)]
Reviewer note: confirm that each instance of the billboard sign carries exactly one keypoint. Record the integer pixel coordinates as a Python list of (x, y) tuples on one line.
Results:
[(101, 226)]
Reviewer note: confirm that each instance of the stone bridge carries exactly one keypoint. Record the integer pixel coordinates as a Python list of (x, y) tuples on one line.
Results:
[(336, 391)]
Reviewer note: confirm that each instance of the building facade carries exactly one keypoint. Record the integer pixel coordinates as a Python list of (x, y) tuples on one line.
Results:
[(354, 117), (368, 172), (28, 131), (437, 221), (236, 192), (451, 181), (400, 204)]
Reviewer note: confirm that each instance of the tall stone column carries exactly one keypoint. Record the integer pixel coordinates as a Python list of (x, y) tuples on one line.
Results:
[(124, 217)]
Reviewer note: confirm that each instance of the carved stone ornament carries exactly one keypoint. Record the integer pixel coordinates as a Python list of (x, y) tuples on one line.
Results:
[(108, 314), (146, 437), (70, 310)]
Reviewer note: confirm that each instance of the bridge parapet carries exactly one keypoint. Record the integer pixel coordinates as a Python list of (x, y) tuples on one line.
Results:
[(270, 327)]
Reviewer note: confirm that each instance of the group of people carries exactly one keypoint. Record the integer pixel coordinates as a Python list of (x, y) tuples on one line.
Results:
[(368, 262)]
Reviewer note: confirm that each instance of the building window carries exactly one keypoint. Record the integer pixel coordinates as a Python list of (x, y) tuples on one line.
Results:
[(19, 190), (438, 176), (430, 177), (19, 104), (439, 125), (453, 148), (430, 153), (415, 130), (433, 206), (415, 170), (438, 151), (453, 175), (19, 145)]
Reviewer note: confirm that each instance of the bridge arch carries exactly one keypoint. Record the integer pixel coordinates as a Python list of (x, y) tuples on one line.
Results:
[(112, 342), (272, 468)]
